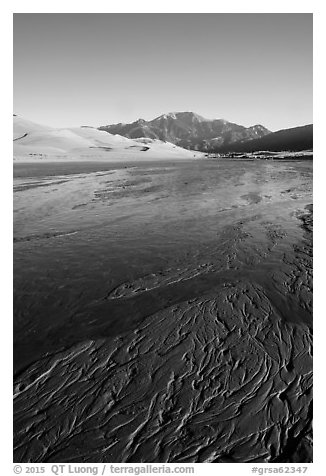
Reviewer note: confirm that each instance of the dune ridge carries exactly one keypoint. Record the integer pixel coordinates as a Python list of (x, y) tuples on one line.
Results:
[(33, 142)]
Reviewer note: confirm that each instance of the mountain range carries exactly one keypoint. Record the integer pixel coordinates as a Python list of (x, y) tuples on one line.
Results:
[(189, 130), (294, 139), (175, 135), (194, 132)]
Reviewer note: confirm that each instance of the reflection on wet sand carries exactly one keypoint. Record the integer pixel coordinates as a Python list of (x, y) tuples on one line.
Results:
[(163, 313)]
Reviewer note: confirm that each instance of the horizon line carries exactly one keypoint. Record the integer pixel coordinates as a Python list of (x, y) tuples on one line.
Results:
[(156, 117)]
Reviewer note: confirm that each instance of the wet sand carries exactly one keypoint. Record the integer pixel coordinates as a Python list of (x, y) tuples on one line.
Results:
[(163, 312)]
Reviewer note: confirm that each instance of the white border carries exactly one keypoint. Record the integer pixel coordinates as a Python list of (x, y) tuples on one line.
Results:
[(319, 185), (173, 6)]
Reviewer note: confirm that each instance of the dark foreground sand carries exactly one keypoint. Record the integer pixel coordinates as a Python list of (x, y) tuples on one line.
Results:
[(163, 312)]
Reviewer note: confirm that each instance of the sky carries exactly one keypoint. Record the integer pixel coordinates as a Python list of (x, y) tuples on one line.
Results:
[(73, 69)]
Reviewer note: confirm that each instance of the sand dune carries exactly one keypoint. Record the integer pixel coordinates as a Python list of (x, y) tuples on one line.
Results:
[(34, 142), (23, 126)]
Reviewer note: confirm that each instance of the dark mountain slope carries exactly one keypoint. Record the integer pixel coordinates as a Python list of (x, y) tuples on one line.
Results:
[(296, 138)]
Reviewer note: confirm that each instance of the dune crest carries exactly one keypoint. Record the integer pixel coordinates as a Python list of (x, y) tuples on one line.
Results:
[(33, 141)]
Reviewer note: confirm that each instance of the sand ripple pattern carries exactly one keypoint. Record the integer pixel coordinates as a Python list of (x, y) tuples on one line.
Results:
[(214, 379), (235, 248)]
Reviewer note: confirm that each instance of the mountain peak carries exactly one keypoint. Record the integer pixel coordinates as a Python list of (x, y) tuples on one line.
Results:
[(182, 115), (171, 115), (188, 129)]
